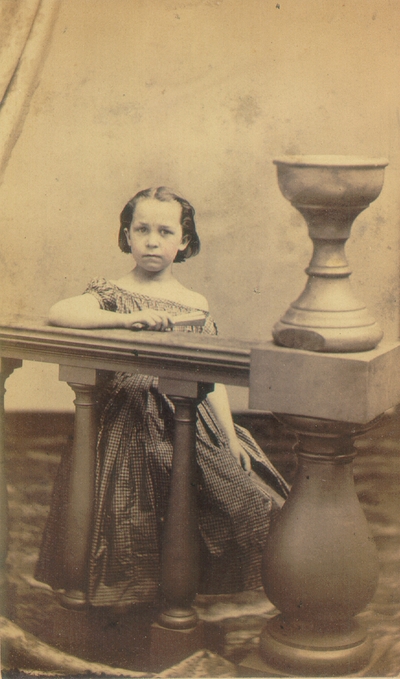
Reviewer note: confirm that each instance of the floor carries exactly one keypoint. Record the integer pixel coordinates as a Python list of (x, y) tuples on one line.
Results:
[(233, 623)]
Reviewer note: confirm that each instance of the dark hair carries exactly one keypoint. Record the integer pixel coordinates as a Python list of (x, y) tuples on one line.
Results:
[(162, 194)]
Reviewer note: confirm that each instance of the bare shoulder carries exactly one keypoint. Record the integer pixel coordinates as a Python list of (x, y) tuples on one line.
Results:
[(193, 299), (126, 282), (84, 301)]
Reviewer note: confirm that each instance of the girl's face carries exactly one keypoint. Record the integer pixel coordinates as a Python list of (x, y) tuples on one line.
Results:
[(155, 235)]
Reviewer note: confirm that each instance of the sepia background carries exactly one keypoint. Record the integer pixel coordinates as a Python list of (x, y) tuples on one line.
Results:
[(201, 96), (101, 98)]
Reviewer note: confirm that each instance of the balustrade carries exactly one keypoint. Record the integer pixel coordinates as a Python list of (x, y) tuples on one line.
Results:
[(286, 381), (187, 369)]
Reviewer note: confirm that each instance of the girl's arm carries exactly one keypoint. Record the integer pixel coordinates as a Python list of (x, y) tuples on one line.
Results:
[(84, 311), (220, 405)]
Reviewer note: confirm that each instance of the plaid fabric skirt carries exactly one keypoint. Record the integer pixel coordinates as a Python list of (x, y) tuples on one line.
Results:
[(133, 468)]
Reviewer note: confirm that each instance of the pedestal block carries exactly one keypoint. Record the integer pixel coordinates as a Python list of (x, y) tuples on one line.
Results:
[(353, 387)]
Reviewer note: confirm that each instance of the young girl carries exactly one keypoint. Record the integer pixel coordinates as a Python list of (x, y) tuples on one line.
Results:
[(134, 450)]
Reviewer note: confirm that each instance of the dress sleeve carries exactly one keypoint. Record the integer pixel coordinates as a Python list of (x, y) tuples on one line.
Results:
[(104, 293), (210, 328)]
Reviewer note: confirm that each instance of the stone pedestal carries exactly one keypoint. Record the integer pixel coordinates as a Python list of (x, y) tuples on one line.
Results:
[(320, 564)]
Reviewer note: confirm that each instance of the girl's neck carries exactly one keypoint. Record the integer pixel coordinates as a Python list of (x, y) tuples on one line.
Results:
[(162, 284), (144, 277)]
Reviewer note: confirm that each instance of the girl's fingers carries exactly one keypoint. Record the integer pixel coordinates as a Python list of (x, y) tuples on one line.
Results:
[(166, 322), (241, 456), (153, 321), (160, 322), (245, 461)]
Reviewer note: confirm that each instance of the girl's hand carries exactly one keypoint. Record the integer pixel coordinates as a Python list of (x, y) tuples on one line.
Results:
[(240, 455), (149, 319)]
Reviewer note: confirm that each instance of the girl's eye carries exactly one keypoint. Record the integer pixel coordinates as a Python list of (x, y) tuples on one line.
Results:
[(166, 232)]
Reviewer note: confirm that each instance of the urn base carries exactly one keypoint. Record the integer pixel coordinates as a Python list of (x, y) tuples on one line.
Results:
[(334, 340)]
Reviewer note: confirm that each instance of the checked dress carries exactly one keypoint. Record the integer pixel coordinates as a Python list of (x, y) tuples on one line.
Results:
[(133, 466)]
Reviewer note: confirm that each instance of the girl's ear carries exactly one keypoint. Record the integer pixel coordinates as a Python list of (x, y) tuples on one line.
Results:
[(184, 243), (128, 240)]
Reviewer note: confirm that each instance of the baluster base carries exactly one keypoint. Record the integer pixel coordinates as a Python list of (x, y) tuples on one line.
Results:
[(302, 648), (178, 618), (73, 599), (170, 646)]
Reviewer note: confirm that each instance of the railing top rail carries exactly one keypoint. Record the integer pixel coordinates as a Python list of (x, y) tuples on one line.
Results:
[(185, 356)]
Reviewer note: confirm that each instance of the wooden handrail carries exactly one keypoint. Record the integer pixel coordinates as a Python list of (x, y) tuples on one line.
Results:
[(200, 358)]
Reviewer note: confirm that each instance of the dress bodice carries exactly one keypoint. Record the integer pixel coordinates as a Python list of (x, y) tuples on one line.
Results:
[(113, 298)]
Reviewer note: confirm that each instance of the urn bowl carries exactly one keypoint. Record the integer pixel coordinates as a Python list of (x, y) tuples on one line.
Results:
[(330, 180)]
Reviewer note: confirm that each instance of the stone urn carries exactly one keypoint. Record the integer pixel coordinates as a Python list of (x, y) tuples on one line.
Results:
[(330, 192)]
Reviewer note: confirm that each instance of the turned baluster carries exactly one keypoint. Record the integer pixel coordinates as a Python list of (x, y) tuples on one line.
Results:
[(320, 564), (80, 485), (177, 634), (180, 549), (7, 366)]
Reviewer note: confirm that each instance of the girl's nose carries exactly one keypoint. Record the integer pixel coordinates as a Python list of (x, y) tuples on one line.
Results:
[(152, 240)]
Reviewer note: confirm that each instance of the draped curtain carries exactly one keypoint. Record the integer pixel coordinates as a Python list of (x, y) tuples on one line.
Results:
[(25, 31)]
